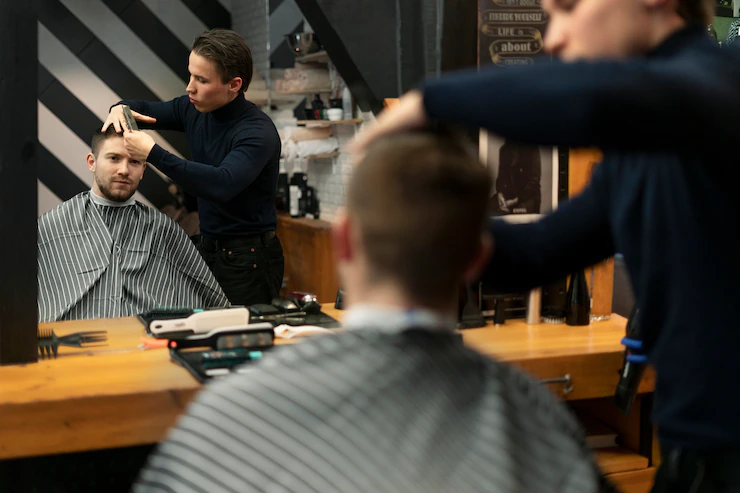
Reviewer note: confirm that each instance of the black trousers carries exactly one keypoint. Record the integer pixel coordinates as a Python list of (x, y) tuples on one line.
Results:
[(681, 471), (249, 270)]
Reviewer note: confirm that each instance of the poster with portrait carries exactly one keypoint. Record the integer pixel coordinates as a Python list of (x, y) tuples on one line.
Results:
[(526, 178)]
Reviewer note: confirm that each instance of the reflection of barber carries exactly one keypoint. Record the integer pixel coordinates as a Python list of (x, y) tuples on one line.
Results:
[(518, 182)]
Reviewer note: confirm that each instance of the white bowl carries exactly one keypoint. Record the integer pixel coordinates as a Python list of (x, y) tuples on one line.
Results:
[(335, 114)]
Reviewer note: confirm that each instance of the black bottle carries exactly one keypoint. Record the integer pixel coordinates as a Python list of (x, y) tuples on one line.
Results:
[(578, 311)]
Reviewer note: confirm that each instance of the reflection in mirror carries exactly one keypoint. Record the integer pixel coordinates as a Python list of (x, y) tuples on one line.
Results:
[(103, 254)]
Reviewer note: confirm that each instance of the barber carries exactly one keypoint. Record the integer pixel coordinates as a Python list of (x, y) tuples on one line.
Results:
[(236, 152), (647, 86)]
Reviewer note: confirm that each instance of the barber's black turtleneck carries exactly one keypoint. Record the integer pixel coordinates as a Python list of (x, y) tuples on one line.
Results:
[(665, 196), (235, 163)]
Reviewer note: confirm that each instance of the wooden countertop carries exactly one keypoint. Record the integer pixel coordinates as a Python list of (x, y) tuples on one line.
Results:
[(121, 395), (304, 221)]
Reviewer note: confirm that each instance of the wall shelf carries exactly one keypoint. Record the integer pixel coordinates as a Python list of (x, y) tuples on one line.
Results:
[(327, 123), (325, 155), (319, 56)]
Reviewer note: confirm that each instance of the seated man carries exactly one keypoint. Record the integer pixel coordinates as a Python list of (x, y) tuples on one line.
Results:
[(395, 403), (102, 254)]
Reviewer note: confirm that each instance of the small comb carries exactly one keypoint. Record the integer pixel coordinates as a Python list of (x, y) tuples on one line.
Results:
[(49, 342), (130, 120)]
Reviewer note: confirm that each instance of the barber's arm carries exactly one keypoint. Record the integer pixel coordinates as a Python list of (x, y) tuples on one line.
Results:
[(166, 115), (575, 236), (220, 183), (641, 104)]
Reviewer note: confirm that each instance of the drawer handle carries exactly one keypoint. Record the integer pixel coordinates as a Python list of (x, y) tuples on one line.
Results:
[(566, 380)]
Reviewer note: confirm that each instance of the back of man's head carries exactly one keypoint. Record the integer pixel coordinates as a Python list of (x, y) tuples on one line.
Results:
[(418, 204), (99, 137)]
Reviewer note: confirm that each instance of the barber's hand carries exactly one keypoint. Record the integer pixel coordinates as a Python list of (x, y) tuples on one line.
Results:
[(116, 118), (138, 144), (408, 114)]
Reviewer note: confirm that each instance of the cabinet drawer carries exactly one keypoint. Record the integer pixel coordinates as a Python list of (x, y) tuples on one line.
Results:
[(633, 481), (591, 375)]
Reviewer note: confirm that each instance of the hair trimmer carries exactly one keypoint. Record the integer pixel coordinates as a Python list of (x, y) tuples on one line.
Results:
[(635, 362)]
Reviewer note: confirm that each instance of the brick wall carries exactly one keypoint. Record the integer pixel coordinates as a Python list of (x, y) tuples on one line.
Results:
[(248, 18), (330, 176)]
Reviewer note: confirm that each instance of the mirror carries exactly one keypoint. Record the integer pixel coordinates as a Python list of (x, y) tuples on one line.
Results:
[(87, 247)]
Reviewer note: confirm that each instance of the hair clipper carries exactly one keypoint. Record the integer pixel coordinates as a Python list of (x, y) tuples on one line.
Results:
[(633, 367)]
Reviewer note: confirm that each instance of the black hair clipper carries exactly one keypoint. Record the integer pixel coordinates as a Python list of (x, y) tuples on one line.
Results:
[(635, 362), (130, 120)]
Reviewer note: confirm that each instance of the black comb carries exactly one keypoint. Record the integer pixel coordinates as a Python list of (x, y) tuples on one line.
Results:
[(130, 120), (49, 342)]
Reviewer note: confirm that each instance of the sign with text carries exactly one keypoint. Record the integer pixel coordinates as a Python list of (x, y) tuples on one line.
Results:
[(526, 180), (510, 32)]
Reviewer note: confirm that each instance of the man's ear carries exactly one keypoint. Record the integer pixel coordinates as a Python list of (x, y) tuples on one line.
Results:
[(481, 258), (341, 238), (90, 162), (235, 85)]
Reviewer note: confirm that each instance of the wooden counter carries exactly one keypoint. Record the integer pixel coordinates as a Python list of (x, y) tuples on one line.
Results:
[(121, 395), (309, 261)]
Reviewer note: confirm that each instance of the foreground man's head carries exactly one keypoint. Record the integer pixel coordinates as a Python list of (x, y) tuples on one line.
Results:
[(413, 229)]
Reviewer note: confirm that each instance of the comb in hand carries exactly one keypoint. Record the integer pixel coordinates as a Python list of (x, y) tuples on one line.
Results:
[(49, 342), (130, 120)]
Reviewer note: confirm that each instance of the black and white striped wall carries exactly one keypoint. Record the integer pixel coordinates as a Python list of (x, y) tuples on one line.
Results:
[(250, 19), (93, 53)]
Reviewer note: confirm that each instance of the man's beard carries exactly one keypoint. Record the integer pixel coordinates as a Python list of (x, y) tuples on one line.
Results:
[(111, 194)]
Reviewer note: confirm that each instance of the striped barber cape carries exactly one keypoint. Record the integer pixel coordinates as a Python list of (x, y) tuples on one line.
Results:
[(98, 261), (374, 411)]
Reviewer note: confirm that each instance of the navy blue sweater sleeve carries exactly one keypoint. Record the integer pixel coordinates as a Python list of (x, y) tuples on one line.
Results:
[(221, 182), (170, 115), (576, 235), (641, 104)]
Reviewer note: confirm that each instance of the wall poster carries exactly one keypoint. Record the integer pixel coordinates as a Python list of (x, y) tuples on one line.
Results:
[(526, 178)]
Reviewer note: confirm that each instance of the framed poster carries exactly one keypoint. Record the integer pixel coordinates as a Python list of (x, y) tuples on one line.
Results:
[(526, 178), (529, 181)]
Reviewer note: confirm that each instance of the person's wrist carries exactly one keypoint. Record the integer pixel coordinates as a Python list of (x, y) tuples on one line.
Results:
[(155, 154)]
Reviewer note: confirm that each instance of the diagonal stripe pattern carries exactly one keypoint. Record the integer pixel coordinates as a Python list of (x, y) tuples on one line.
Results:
[(92, 54)]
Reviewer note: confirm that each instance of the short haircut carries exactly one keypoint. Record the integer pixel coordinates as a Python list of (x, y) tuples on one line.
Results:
[(99, 137), (419, 201), (701, 11), (229, 52)]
